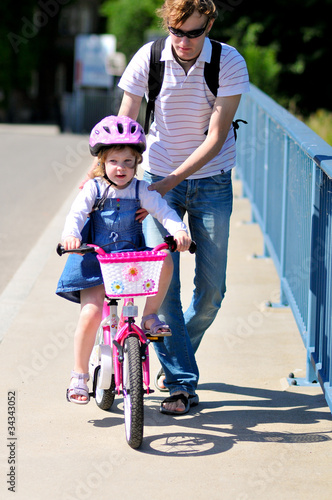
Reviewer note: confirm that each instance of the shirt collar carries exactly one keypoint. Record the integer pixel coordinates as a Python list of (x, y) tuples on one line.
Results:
[(205, 55)]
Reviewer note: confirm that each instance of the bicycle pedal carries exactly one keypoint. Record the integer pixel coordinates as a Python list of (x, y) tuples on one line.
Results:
[(154, 339), (151, 391)]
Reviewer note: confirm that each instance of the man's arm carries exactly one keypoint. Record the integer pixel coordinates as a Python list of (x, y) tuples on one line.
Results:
[(130, 105), (223, 113)]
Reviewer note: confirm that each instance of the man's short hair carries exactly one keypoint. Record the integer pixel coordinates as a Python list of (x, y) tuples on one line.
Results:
[(178, 11)]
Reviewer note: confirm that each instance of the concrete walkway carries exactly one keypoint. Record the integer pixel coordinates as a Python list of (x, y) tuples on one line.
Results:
[(252, 437)]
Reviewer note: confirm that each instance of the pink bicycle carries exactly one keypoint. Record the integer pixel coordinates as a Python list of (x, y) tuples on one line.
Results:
[(119, 362)]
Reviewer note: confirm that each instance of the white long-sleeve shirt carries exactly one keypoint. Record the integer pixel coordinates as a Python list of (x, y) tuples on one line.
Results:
[(150, 200)]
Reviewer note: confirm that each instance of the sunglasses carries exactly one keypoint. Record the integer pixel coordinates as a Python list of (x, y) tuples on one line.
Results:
[(188, 34)]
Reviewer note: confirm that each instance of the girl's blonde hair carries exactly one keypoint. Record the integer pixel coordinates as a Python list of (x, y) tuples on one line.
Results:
[(99, 170), (180, 10)]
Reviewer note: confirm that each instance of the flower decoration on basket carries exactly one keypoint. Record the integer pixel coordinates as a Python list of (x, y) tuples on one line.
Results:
[(133, 272), (148, 285), (117, 287)]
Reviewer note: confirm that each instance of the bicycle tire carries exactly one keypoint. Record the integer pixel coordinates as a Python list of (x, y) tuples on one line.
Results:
[(105, 397), (133, 392)]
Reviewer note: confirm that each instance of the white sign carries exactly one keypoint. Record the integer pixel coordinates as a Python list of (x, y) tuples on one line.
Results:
[(91, 55), (116, 64)]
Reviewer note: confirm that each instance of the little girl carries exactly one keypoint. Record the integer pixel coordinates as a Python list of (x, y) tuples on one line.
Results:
[(111, 199)]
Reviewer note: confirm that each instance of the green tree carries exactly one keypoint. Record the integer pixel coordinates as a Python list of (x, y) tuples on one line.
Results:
[(129, 21), (262, 63), (299, 34)]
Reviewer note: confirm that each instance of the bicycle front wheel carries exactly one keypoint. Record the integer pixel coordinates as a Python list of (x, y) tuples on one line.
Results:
[(133, 392)]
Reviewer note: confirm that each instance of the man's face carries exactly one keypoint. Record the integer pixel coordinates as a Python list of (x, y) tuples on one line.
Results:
[(190, 48)]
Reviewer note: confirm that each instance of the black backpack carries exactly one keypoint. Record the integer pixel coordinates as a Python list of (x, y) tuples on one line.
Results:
[(156, 76)]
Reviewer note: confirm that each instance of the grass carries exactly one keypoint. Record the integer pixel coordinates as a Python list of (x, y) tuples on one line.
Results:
[(321, 123)]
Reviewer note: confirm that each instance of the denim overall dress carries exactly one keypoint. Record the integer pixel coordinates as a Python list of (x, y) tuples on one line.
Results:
[(112, 221)]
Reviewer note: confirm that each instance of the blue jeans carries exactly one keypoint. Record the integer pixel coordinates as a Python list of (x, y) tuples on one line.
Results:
[(208, 203)]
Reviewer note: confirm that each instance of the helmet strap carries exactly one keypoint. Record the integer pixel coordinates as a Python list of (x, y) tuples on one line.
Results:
[(109, 180)]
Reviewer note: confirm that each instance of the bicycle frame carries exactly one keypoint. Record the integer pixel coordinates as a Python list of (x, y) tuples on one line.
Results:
[(119, 362), (108, 359), (115, 332)]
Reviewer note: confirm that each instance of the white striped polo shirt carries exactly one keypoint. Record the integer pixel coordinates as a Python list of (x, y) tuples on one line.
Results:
[(183, 107)]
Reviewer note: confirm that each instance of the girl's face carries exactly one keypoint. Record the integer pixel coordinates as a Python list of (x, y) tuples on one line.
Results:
[(120, 166)]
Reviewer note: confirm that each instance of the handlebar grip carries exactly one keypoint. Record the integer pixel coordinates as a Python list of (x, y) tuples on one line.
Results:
[(84, 248), (60, 249), (193, 247), (172, 244)]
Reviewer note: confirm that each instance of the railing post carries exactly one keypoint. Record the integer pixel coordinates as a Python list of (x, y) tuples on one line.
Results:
[(252, 173), (265, 183), (283, 299), (312, 299)]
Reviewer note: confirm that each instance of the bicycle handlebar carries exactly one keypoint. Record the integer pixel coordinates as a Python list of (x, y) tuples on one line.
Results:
[(83, 249), (170, 243)]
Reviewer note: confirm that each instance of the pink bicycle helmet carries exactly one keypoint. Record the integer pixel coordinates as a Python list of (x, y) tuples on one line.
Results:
[(114, 130)]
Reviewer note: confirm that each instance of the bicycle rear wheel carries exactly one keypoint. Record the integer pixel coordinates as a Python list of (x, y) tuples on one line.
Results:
[(105, 397), (100, 369), (133, 392)]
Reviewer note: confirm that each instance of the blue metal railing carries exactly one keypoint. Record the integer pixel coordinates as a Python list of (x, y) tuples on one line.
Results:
[(286, 172)]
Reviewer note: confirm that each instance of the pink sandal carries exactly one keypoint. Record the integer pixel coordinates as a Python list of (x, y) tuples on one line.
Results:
[(158, 327), (78, 388)]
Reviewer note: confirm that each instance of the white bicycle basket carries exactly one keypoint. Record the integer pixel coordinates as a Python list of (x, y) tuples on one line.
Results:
[(129, 274)]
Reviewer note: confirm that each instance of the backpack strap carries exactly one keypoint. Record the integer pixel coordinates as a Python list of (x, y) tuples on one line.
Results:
[(211, 75), (236, 126), (156, 76), (211, 69)]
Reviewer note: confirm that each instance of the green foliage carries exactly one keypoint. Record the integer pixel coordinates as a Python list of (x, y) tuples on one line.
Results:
[(300, 32), (129, 21), (262, 61), (287, 45), (321, 123)]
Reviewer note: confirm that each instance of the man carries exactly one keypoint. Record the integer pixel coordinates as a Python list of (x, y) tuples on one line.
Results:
[(190, 154)]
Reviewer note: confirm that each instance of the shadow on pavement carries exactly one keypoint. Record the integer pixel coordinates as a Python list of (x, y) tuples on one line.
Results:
[(214, 427)]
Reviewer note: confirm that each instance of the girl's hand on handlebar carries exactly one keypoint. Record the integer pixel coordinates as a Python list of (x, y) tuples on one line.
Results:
[(71, 243), (182, 241)]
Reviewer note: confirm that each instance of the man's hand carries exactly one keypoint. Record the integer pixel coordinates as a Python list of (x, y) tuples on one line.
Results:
[(182, 241), (164, 185)]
